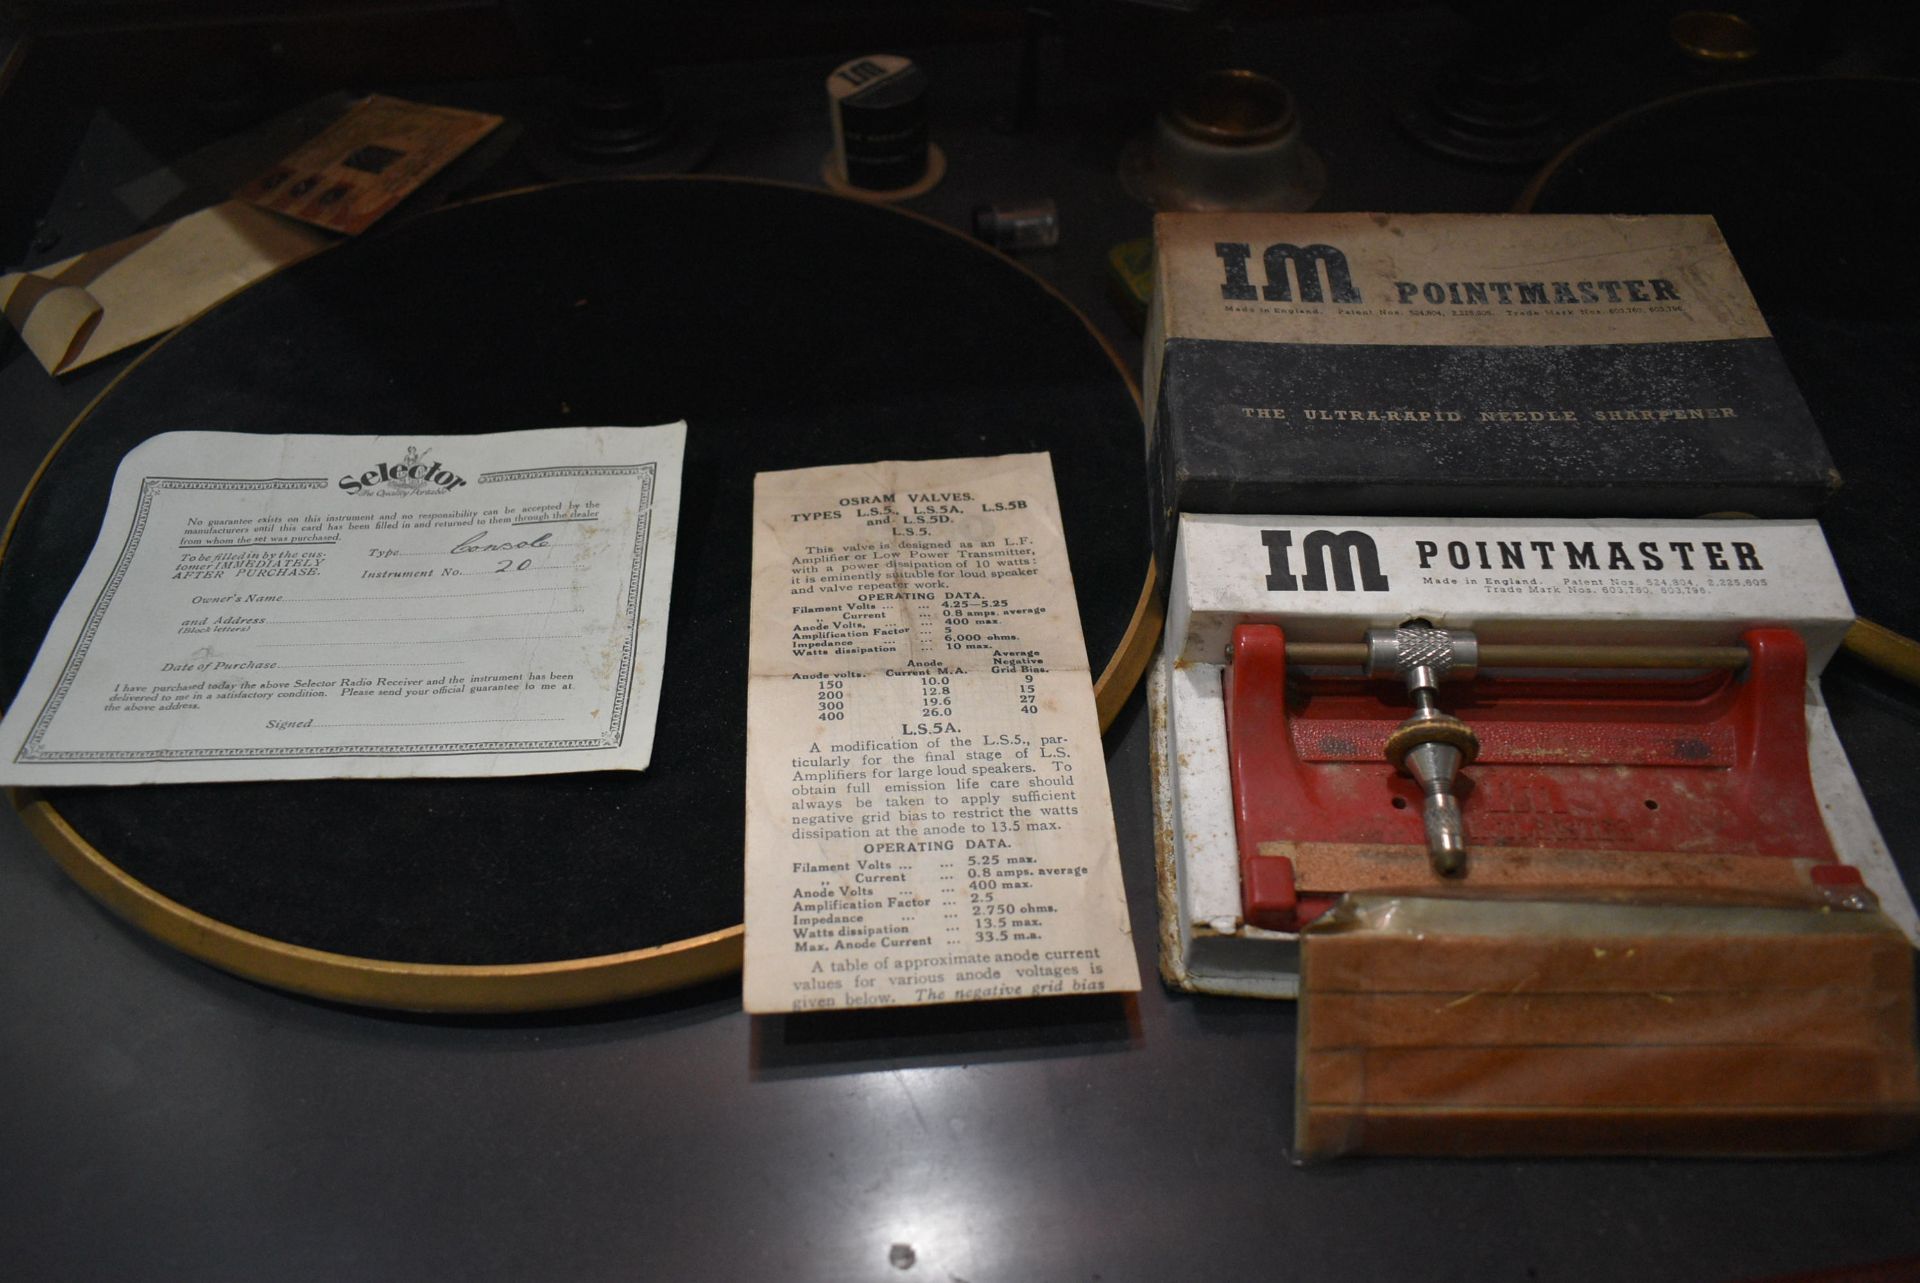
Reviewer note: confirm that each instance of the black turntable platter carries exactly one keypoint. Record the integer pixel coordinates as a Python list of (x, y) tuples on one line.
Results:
[(1812, 183), (789, 328)]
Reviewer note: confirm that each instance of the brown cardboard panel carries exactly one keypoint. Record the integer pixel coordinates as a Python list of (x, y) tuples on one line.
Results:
[(1859, 1019), (1366, 963), (1328, 1131), (1766, 1074)]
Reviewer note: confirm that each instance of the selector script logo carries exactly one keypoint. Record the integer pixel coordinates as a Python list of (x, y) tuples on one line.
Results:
[(414, 474)]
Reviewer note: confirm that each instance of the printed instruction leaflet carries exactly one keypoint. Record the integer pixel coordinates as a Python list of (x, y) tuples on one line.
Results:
[(927, 809)]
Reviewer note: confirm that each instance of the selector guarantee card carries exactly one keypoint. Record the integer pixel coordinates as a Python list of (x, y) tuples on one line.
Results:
[(927, 809), (299, 607)]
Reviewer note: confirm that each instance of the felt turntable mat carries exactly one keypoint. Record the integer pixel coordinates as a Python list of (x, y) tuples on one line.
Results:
[(1812, 182), (788, 327)]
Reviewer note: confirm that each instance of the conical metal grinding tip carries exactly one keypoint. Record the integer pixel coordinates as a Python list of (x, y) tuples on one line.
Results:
[(1434, 766)]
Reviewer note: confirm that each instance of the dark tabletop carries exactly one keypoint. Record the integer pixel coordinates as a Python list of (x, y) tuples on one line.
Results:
[(161, 1119)]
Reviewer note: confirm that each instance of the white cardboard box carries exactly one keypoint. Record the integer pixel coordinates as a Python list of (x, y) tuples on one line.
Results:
[(1509, 580)]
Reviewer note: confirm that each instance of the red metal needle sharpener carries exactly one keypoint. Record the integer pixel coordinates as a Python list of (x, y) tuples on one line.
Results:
[(1695, 784)]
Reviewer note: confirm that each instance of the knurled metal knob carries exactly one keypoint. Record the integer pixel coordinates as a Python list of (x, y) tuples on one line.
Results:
[(1409, 649)]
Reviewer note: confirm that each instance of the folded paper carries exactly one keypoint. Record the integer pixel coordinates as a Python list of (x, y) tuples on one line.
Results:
[(81, 309)]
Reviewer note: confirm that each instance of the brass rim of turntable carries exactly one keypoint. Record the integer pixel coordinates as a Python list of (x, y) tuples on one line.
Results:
[(535, 986)]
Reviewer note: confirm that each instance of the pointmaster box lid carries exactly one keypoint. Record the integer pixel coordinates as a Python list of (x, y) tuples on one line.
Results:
[(1468, 365)]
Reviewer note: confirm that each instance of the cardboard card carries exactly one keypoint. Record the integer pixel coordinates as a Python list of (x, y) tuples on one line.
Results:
[(367, 162)]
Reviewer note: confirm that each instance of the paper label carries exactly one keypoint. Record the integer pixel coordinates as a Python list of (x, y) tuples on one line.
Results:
[(1534, 280), (927, 809), (1536, 579), (298, 607)]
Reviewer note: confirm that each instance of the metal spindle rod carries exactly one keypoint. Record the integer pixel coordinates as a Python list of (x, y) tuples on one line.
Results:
[(1544, 655)]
